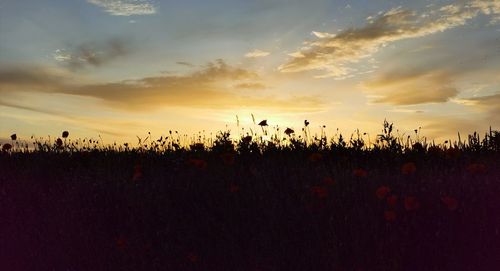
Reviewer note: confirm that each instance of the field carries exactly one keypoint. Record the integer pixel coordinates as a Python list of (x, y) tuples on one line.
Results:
[(288, 203)]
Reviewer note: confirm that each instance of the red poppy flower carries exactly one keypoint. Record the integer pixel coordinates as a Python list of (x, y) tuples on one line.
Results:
[(137, 173), (328, 180), (121, 242), (411, 203), (359, 172), (390, 216), (13, 137), (233, 188), (192, 257), (450, 202), (65, 134), (408, 168), (319, 192), (59, 142), (382, 192), (289, 131), (392, 201), (198, 163), (315, 157), (476, 168)]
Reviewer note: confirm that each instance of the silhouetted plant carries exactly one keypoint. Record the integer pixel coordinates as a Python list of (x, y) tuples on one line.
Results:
[(223, 142)]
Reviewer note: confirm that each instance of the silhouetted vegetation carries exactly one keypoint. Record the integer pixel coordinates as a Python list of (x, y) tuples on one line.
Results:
[(269, 200)]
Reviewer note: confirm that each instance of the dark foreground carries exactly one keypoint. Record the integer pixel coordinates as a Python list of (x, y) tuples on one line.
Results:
[(284, 210)]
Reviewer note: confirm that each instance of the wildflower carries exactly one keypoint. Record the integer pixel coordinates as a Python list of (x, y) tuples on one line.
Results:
[(59, 142), (289, 131), (306, 123), (476, 168), (359, 172), (319, 192), (65, 134), (328, 180), (13, 137), (192, 257), (233, 188), (198, 163), (408, 168), (137, 173), (121, 242), (450, 202), (382, 192), (392, 200), (6, 147), (411, 203), (315, 157), (247, 139), (390, 216), (263, 123)]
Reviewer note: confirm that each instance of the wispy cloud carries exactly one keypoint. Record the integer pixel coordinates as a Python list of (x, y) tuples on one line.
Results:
[(210, 87), (489, 104), (252, 85), (33, 78), (91, 54), (183, 63), (257, 53), (334, 55), (125, 7), (435, 78), (414, 88)]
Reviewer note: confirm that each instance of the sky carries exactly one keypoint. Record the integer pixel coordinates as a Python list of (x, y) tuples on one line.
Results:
[(122, 68)]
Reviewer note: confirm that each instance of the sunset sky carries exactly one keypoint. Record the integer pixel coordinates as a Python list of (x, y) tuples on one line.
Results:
[(121, 68)]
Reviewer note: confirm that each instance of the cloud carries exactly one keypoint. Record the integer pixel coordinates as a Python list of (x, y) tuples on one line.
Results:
[(435, 77), (322, 35), (250, 86), (91, 54), (488, 7), (490, 101), (183, 63), (411, 86), (125, 7), (28, 108), (206, 88), (209, 87), (335, 54), (257, 53), (34, 78), (489, 104)]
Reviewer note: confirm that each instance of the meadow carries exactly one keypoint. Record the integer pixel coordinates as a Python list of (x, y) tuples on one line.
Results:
[(268, 200)]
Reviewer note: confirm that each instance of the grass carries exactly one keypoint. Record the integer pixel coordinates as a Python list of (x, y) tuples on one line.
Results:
[(269, 200)]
